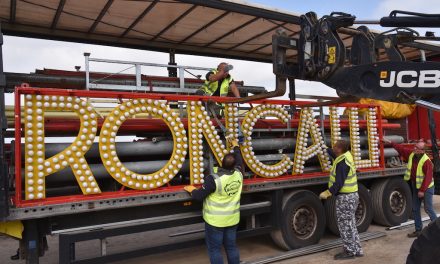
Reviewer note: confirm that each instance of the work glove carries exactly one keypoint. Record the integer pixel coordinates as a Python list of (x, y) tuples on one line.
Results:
[(231, 141), (325, 195), (189, 188)]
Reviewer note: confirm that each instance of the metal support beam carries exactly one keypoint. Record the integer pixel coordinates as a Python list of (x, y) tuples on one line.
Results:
[(87, 69), (140, 17), (31, 241), (292, 95), (172, 72), (236, 7), (267, 45), (314, 249), (257, 36), (138, 77), (215, 20), (12, 11), (282, 25), (175, 21), (56, 18), (423, 46), (277, 202), (232, 31), (292, 89), (101, 15), (4, 186)]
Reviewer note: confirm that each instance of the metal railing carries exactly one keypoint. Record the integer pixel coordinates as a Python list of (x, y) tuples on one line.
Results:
[(138, 74)]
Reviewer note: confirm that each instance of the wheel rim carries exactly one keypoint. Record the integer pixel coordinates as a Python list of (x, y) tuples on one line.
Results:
[(397, 202), (304, 222), (361, 212)]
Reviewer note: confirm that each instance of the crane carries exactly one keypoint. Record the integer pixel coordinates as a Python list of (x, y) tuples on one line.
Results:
[(373, 66)]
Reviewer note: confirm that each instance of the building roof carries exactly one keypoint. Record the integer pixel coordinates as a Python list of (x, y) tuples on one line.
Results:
[(230, 29)]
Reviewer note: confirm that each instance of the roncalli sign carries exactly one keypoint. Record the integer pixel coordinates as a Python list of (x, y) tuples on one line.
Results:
[(188, 144)]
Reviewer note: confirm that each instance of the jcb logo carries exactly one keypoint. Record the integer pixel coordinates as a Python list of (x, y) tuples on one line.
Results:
[(410, 79)]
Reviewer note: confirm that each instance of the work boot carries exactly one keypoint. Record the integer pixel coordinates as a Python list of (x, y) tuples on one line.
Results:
[(16, 256), (359, 255), (344, 255), (414, 234)]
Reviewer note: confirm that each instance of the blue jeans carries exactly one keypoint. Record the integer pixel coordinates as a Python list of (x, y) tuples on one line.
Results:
[(417, 202), (215, 237)]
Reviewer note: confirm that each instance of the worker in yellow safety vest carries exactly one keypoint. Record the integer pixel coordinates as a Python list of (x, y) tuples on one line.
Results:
[(219, 82), (419, 175), (343, 185), (221, 193)]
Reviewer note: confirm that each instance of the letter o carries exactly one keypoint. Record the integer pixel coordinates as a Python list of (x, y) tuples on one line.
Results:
[(121, 173)]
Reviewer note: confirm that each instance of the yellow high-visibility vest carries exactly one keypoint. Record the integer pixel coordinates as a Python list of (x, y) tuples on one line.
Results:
[(420, 175), (350, 183), (222, 207), (210, 87)]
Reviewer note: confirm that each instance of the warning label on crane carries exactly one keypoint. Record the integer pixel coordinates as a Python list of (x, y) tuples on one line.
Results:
[(332, 55)]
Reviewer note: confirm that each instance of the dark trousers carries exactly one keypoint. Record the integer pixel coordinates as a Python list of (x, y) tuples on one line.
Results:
[(216, 237), (417, 203)]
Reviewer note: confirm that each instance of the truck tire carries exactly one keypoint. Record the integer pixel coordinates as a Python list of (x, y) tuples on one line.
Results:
[(302, 222), (391, 201), (364, 212), (424, 249)]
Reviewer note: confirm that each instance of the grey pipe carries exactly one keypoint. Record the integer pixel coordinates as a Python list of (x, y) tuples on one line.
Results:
[(145, 167), (388, 153), (150, 148), (99, 171)]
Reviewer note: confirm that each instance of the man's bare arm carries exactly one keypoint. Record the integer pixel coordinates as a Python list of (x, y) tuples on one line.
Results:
[(234, 89)]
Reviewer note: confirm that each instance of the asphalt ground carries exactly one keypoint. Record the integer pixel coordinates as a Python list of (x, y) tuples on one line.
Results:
[(392, 249)]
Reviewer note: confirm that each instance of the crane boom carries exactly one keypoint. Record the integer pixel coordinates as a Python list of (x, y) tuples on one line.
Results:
[(373, 66)]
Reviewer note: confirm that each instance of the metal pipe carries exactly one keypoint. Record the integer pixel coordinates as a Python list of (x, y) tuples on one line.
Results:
[(280, 79), (349, 31), (280, 90), (138, 77), (367, 22), (87, 69), (408, 223), (145, 167), (99, 171), (181, 78), (16, 79), (427, 105), (165, 146), (314, 248), (149, 64), (388, 153)]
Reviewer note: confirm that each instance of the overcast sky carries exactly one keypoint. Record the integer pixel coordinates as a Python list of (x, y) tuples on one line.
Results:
[(26, 55)]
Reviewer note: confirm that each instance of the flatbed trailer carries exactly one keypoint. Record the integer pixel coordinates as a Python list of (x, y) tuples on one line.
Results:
[(286, 205)]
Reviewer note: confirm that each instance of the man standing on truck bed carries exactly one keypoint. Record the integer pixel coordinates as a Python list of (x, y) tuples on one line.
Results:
[(343, 185), (221, 206), (419, 173), (218, 81)]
